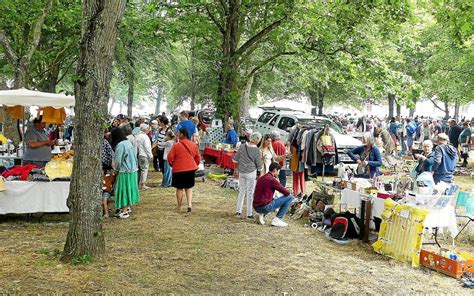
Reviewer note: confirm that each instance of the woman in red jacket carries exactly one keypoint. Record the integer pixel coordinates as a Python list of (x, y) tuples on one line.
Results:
[(184, 157)]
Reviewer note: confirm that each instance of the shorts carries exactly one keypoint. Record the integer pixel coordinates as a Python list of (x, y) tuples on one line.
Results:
[(105, 195), (183, 180)]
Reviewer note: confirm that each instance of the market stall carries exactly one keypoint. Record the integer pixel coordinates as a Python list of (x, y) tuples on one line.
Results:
[(30, 189), (220, 157)]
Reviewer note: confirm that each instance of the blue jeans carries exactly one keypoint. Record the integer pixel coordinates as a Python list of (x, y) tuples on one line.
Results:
[(166, 174), (281, 203), (282, 177), (404, 144)]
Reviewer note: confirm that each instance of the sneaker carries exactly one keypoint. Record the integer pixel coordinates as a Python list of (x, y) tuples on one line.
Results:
[(117, 213), (129, 210), (144, 187), (124, 215), (250, 217), (237, 214), (278, 222), (261, 219)]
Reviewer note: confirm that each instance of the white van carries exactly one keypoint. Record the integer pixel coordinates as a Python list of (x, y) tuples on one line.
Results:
[(283, 119)]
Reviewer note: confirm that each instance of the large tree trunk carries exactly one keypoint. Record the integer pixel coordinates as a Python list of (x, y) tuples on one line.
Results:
[(101, 19), (245, 98), (391, 103)]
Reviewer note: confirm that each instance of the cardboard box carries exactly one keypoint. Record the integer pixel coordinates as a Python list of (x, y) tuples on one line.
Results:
[(444, 265)]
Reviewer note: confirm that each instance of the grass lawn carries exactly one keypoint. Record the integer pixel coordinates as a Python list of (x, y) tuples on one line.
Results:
[(161, 251)]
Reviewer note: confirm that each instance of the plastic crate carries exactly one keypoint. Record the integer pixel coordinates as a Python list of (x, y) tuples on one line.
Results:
[(445, 265)]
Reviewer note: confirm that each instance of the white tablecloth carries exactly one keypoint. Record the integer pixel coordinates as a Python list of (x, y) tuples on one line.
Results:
[(22, 197), (440, 218)]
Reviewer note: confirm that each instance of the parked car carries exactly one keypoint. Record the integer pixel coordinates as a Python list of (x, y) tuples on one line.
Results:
[(283, 119), (205, 117)]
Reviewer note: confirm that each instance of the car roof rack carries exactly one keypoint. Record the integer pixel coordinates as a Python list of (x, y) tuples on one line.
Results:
[(279, 108)]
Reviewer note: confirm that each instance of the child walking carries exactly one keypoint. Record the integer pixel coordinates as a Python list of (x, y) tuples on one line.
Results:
[(167, 173)]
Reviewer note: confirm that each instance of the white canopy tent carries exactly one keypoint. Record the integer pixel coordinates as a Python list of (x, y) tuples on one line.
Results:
[(25, 97)]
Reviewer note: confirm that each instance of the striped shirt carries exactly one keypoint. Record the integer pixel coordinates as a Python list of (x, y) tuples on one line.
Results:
[(160, 138)]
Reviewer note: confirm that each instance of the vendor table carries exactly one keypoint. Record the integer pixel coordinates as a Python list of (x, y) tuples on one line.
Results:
[(437, 219), (16, 159), (22, 197), (222, 158)]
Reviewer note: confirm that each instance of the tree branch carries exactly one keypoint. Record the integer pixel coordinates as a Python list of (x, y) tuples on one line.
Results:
[(214, 20), (259, 36), (225, 7), (5, 43), (436, 105), (37, 31), (268, 60)]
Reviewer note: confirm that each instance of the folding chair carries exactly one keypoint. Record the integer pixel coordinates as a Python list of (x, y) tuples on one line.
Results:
[(465, 201)]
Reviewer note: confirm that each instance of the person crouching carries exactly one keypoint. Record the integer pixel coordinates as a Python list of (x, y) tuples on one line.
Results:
[(264, 203)]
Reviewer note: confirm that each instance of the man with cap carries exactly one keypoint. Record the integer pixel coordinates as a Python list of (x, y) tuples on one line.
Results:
[(444, 163)]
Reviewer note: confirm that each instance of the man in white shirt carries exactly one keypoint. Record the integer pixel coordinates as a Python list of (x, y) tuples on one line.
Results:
[(144, 153)]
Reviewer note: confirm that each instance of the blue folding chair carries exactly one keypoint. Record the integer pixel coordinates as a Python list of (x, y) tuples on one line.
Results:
[(465, 203)]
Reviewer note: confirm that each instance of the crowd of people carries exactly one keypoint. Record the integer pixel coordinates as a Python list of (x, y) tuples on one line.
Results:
[(129, 148), (442, 143)]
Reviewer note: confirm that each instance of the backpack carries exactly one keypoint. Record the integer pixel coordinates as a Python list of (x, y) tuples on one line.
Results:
[(345, 226), (327, 146), (339, 228), (411, 128)]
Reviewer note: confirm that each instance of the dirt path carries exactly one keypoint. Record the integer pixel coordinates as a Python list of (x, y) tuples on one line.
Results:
[(160, 251)]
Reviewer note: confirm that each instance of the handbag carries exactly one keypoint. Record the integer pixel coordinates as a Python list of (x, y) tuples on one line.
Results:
[(109, 181), (363, 170)]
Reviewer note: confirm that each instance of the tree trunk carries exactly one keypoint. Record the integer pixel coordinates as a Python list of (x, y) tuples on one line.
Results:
[(456, 110), (321, 100), (446, 110), (158, 102), (391, 102), (193, 100), (101, 20), (131, 90), (245, 98), (314, 98), (399, 110)]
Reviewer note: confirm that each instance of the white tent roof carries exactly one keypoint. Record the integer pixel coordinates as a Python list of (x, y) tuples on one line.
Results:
[(25, 97)]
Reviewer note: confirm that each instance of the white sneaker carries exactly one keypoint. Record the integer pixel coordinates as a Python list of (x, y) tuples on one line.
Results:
[(261, 218), (278, 222), (124, 215)]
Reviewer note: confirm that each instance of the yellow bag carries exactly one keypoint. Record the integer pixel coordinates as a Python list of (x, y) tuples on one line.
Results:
[(59, 169)]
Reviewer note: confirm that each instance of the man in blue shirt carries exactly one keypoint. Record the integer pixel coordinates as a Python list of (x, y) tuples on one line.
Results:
[(186, 124), (231, 137)]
